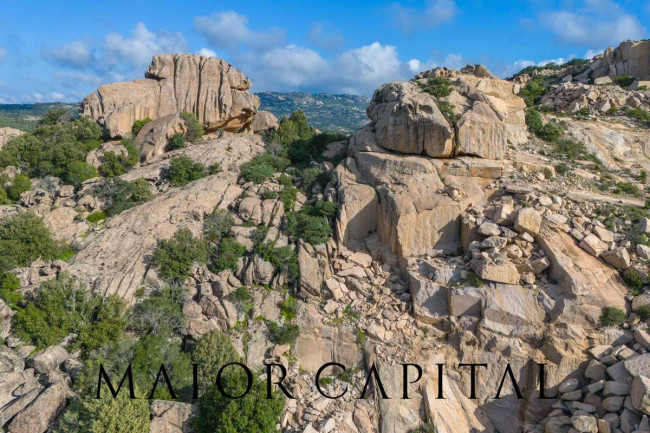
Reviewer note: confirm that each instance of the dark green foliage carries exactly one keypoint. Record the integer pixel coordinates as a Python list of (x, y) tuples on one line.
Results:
[(634, 279), (437, 86), (302, 151), (138, 125), (612, 316), (253, 413), (9, 285), (213, 351), (228, 254), (548, 131), (286, 334), (182, 170), (240, 294), (177, 141), (20, 184), (120, 195), (23, 239), (215, 169), (628, 188), (55, 116), (283, 259), (119, 415), (217, 225), (426, 428), (643, 176), (57, 149), (624, 80), (96, 217), (26, 117), (174, 257), (638, 113), (262, 167), (62, 307), (533, 92), (295, 127), (644, 312), (116, 165), (562, 168), (161, 313), (573, 150), (447, 110), (309, 224), (289, 308), (194, 127)]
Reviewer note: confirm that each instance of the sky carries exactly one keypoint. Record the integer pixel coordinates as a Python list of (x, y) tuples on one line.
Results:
[(64, 50)]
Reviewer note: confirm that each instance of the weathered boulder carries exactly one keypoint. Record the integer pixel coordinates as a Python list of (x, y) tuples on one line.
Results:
[(49, 359), (42, 412), (171, 417), (311, 273), (630, 57), (408, 120), (208, 87), (640, 394), (96, 157), (153, 138), (7, 134), (264, 121)]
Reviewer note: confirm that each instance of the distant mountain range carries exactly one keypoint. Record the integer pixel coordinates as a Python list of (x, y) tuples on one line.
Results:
[(343, 113)]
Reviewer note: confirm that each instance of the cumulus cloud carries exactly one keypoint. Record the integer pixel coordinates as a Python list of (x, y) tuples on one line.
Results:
[(323, 37), (76, 54), (136, 52), (599, 22), (435, 13), (230, 30), (57, 96), (206, 52)]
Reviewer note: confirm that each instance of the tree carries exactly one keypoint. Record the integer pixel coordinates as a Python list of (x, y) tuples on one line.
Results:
[(20, 184), (161, 313), (314, 229), (228, 255), (194, 127), (174, 257), (217, 225), (182, 170), (213, 351), (119, 195)]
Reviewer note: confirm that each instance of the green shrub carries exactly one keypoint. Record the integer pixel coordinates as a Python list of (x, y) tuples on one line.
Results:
[(639, 114), (20, 184), (182, 170), (96, 217), (533, 92), (628, 188), (57, 149), (612, 316), (213, 351), (573, 150), (228, 255), (138, 125), (62, 307), (643, 176), (133, 152), (286, 334), (562, 168), (119, 195), (4, 199), (548, 131), (215, 169), (161, 313), (262, 167), (302, 151), (23, 239), (447, 109), (283, 259), (251, 413), (310, 228), (633, 278), (437, 86), (217, 225), (289, 308), (426, 428), (55, 116), (194, 127), (177, 141), (241, 294), (295, 127), (624, 80), (9, 285), (174, 257), (644, 312), (119, 415)]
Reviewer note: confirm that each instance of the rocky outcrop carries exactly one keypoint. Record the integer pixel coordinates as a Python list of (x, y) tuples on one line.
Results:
[(208, 87), (407, 119), (7, 134), (264, 121), (153, 138), (630, 57)]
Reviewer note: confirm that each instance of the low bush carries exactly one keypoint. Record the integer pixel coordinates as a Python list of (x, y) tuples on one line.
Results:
[(644, 312), (161, 313), (20, 184), (284, 334), (119, 195), (212, 351), (182, 170), (262, 167), (628, 188), (96, 217), (217, 225), (194, 127), (437, 86), (289, 308), (624, 80), (228, 254), (174, 257), (9, 285), (562, 168), (548, 131), (302, 151), (533, 92), (138, 125), (313, 229), (62, 307), (177, 141), (612, 316)]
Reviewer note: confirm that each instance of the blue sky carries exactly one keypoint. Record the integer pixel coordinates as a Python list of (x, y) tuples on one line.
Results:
[(63, 50)]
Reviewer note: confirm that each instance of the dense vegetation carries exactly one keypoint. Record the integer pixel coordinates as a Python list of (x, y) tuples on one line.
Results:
[(58, 147), (119, 195), (26, 116), (174, 257), (182, 170)]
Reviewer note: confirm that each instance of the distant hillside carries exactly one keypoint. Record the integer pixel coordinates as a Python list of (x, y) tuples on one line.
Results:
[(345, 113), (26, 116)]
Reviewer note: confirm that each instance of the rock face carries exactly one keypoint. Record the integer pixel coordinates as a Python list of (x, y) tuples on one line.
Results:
[(153, 138), (490, 116), (630, 57), (7, 134), (208, 87)]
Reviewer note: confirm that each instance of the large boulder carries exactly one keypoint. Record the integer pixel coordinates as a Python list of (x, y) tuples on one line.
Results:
[(153, 138), (7, 134), (43, 411), (208, 87), (630, 57), (408, 120)]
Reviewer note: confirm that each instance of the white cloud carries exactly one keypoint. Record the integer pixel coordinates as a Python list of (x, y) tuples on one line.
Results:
[(323, 37), (230, 30), (136, 51), (206, 52), (76, 54), (3, 53), (435, 13), (590, 54), (599, 22), (57, 96)]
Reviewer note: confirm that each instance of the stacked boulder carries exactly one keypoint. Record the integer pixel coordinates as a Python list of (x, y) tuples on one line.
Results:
[(574, 97), (208, 87)]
